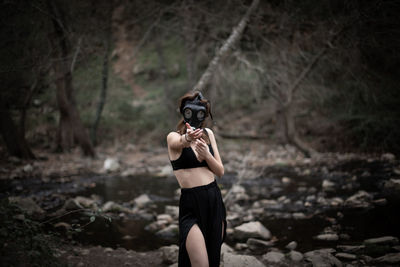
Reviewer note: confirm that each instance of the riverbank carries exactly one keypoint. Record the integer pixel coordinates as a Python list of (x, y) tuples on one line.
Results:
[(286, 210)]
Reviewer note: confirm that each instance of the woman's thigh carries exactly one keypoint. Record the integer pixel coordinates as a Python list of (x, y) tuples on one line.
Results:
[(196, 247)]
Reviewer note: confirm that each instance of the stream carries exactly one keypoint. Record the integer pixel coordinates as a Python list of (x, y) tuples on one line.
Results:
[(296, 210)]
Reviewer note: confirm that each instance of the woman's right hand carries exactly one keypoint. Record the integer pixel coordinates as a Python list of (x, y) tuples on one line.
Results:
[(193, 135)]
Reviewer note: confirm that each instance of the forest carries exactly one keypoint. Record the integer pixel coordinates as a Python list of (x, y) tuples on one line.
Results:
[(305, 106)]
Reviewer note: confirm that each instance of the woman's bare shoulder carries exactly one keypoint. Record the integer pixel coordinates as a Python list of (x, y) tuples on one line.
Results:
[(173, 135)]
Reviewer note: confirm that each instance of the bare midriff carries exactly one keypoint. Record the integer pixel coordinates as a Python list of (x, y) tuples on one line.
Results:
[(188, 178)]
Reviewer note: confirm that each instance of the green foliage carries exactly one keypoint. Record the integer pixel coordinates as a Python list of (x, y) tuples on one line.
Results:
[(23, 241)]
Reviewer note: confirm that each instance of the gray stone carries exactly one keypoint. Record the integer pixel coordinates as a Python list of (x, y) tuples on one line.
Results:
[(172, 210), (170, 254), (392, 184), (295, 256), (27, 204), (346, 256), (388, 156), (274, 257), (391, 258), (142, 200), (292, 245), (111, 165), (252, 229), (384, 240), (257, 244), (328, 185), (164, 217), (299, 216), (226, 248), (351, 249), (327, 237), (322, 258), (361, 199), (170, 232), (232, 260)]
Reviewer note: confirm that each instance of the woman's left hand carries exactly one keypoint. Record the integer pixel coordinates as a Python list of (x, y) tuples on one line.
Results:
[(202, 149)]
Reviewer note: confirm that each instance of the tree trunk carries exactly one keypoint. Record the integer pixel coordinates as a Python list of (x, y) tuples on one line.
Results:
[(226, 47), (15, 140), (71, 128), (104, 77), (166, 84)]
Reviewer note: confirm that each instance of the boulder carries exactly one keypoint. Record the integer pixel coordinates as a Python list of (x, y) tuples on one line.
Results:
[(170, 254), (361, 199), (391, 258), (251, 229), (172, 210), (274, 257), (295, 256), (257, 244), (327, 237), (322, 258), (384, 240), (232, 260), (111, 165), (27, 204), (142, 200), (292, 245), (169, 233)]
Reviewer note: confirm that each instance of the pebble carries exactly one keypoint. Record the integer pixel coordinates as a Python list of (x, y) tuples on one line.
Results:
[(292, 245), (346, 256), (296, 256), (274, 257), (382, 240), (327, 237)]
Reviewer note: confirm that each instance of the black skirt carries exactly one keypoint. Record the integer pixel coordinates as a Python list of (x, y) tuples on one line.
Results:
[(202, 205)]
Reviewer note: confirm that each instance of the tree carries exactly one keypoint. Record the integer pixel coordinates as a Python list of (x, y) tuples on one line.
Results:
[(71, 128)]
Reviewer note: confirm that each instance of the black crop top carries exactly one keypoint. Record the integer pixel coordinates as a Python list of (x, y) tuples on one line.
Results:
[(188, 159)]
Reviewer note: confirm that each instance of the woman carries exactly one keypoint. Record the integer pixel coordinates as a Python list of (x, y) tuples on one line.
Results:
[(195, 160)]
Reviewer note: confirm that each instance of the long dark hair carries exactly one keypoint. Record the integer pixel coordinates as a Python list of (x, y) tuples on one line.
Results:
[(181, 127)]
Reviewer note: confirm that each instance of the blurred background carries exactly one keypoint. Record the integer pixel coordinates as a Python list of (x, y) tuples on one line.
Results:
[(306, 115)]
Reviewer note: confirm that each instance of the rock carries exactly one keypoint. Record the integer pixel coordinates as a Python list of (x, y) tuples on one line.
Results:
[(170, 232), (166, 171), (380, 202), (388, 156), (322, 258), (351, 249), (164, 217), (170, 254), (327, 237), (85, 252), (111, 165), (257, 244), (241, 246), (391, 258), (384, 240), (72, 204), (251, 229), (292, 245), (299, 216), (28, 168), (111, 206), (346, 256), (232, 260), (27, 204), (328, 185), (156, 226), (274, 257), (226, 248), (86, 202), (64, 225), (238, 189), (172, 210), (108, 250), (295, 256), (392, 185), (142, 200), (286, 180), (361, 199)]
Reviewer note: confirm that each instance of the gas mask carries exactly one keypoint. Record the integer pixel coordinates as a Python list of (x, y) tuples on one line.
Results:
[(194, 111)]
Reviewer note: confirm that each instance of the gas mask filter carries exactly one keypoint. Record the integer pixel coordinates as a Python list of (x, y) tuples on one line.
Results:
[(194, 112)]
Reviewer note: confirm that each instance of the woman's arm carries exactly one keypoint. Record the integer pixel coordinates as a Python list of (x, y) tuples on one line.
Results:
[(214, 162), (177, 141)]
